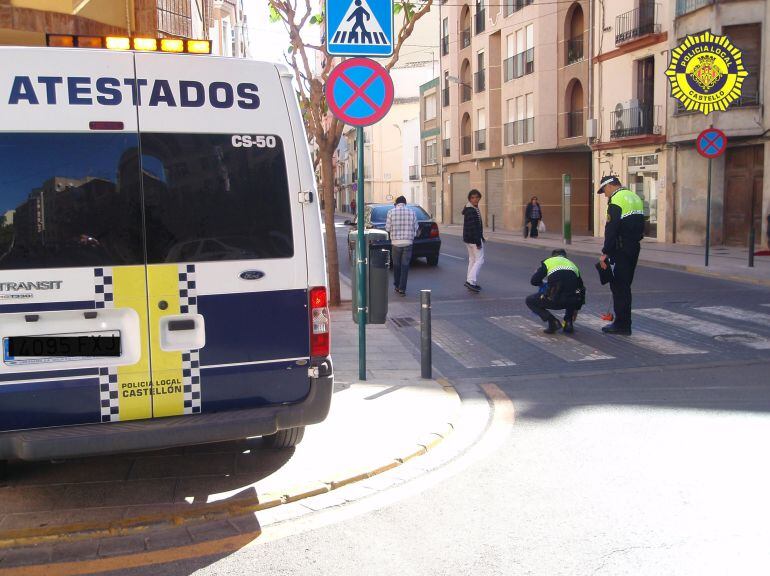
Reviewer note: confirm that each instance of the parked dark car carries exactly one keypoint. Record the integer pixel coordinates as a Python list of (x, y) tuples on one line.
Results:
[(427, 243)]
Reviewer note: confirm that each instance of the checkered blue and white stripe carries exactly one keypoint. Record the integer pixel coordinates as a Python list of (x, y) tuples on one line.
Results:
[(103, 288), (108, 394), (188, 291)]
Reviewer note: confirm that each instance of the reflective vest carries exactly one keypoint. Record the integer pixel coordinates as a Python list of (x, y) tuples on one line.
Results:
[(556, 263), (628, 202)]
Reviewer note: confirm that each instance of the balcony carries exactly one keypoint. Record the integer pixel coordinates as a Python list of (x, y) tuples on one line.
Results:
[(480, 21), (520, 132), (466, 145), (574, 50), (466, 37), (480, 140), (445, 96), (480, 80), (519, 65), (447, 147), (466, 93), (637, 23), (634, 121), (414, 172), (686, 6), (444, 45), (575, 124)]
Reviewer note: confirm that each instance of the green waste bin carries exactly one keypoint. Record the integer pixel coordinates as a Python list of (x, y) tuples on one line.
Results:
[(376, 278)]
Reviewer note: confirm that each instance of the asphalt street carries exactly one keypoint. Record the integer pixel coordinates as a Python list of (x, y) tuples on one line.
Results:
[(640, 455)]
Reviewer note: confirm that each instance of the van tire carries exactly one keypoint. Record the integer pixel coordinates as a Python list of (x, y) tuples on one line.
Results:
[(285, 438), (433, 260)]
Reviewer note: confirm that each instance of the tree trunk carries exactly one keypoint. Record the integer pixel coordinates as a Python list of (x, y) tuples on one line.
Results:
[(332, 258)]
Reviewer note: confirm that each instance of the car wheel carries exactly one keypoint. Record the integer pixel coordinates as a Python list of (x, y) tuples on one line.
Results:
[(433, 260), (285, 438)]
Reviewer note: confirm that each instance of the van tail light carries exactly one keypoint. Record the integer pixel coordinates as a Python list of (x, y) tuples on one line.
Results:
[(320, 322), (434, 230)]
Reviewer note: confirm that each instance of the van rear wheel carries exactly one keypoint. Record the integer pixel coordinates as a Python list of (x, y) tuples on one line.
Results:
[(285, 438)]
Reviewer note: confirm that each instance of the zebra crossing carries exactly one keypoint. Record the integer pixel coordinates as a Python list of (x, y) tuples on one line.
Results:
[(518, 343)]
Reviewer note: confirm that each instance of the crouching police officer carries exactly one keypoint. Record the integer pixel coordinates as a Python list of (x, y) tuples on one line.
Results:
[(622, 236), (561, 289)]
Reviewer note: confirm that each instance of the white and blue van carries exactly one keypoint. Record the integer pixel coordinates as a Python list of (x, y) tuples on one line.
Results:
[(162, 270)]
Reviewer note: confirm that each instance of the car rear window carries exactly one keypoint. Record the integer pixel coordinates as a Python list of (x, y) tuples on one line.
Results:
[(380, 213), (69, 200)]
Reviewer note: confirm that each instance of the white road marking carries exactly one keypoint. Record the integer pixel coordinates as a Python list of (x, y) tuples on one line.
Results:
[(560, 345), (464, 348), (738, 314), (642, 338), (705, 328), (445, 255)]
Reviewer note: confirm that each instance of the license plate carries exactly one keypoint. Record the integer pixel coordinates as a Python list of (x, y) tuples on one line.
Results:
[(60, 347)]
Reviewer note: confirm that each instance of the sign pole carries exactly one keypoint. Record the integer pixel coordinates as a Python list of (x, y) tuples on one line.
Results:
[(566, 203), (362, 258), (708, 215)]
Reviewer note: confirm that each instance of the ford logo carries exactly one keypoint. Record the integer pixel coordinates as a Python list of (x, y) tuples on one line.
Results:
[(251, 275)]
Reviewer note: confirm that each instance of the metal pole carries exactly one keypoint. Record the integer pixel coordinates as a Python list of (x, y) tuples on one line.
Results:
[(426, 353), (751, 233), (708, 215), (493, 222), (567, 207), (362, 259)]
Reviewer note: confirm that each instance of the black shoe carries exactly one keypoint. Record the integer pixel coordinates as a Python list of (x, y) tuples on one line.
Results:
[(401, 292), (473, 287), (569, 327), (615, 329), (553, 327)]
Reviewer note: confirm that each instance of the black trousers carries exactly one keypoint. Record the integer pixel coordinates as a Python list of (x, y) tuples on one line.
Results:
[(532, 227), (625, 266), (541, 307)]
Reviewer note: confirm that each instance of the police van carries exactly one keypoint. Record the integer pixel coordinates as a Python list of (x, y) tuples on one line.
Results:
[(162, 269)]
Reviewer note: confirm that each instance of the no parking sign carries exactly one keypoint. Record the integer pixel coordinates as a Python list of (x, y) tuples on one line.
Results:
[(359, 92)]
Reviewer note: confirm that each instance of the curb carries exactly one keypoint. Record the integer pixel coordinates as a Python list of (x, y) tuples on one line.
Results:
[(82, 531), (642, 261)]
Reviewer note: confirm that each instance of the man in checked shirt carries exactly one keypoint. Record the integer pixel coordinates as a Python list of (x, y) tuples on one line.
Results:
[(401, 224)]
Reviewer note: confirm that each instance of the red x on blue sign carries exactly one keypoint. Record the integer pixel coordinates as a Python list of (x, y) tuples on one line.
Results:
[(711, 143), (359, 92)]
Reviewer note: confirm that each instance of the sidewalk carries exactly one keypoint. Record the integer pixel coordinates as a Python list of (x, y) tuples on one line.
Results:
[(727, 263), (127, 504)]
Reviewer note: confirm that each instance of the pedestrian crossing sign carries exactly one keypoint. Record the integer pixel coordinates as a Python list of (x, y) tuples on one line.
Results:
[(359, 27)]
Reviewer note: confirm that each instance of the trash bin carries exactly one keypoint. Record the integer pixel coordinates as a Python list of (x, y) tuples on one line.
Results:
[(376, 277)]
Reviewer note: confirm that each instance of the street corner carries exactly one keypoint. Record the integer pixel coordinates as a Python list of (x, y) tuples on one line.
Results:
[(156, 505)]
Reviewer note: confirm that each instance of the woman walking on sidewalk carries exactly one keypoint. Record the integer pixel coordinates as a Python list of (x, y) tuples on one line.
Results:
[(532, 216)]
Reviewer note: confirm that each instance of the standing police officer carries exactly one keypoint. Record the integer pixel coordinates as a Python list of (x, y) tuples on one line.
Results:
[(622, 234), (561, 289)]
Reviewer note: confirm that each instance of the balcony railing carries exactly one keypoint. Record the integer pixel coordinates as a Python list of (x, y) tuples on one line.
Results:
[(466, 140), (465, 93), (444, 45), (414, 172), (480, 21), (519, 65), (466, 37), (480, 80), (520, 132), (574, 124), (637, 22), (480, 140), (685, 6), (512, 6), (748, 97), (445, 96), (574, 50), (633, 121), (447, 146)]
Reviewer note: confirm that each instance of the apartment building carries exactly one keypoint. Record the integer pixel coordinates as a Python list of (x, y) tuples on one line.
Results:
[(513, 84), (740, 193), (26, 22), (431, 168)]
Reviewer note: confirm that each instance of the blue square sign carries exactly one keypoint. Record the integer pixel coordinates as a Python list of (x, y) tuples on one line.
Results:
[(359, 27)]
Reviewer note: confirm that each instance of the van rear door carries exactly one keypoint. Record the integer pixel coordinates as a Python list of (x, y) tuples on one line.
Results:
[(227, 269)]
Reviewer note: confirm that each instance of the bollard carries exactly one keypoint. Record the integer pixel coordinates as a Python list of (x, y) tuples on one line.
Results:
[(493, 222), (426, 355), (751, 246)]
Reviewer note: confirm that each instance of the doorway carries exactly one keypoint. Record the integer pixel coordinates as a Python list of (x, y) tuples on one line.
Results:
[(744, 174)]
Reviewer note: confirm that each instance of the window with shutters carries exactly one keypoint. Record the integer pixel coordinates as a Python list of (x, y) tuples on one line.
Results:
[(748, 37)]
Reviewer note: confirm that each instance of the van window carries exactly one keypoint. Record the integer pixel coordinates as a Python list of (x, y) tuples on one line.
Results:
[(208, 199), (66, 200)]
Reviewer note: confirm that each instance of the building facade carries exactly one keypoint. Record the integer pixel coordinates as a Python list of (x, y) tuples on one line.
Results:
[(513, 83), (431, 169)]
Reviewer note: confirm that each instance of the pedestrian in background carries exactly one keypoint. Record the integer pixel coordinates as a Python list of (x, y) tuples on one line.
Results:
[(353, 205), (401, 223), (532, 215), (561, 289), (473, 236), (623, 233)]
